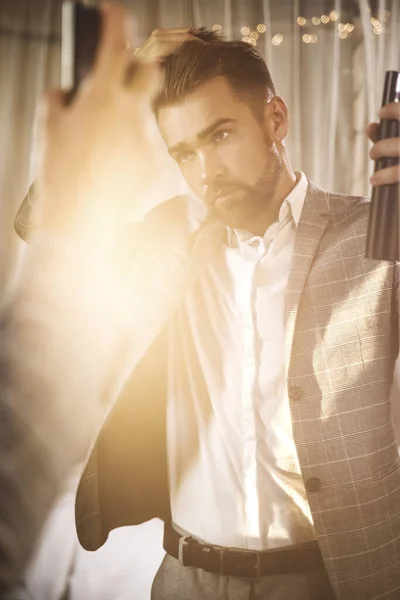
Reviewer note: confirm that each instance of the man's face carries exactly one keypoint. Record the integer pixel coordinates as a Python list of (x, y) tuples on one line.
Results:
[(224, 151)]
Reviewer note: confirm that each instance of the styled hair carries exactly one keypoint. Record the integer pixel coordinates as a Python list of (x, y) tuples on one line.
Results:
[(208, 56)]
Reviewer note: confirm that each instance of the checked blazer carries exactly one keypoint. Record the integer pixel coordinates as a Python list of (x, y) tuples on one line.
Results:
[(342, 343)]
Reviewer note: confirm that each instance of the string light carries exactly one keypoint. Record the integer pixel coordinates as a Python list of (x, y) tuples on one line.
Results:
[(344, 29), (277, 39), (217, 28)]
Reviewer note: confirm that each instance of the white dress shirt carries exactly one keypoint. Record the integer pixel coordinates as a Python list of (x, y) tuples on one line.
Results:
[(233, 469)]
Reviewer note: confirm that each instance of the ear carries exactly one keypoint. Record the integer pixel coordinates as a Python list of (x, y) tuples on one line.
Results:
[(276, 116)]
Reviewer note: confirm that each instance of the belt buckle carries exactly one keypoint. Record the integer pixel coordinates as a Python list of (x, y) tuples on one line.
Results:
[(184, 545), (237, 570)]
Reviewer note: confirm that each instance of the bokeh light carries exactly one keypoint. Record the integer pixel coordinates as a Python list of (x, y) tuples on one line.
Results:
[(277, 39)]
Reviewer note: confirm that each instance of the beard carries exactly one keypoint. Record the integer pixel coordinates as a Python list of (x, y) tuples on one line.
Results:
[(242, 204)]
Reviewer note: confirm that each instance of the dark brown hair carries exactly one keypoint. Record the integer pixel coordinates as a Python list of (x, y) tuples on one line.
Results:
[(208, 56)]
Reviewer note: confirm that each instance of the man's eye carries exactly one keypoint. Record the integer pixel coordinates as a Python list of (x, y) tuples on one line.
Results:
[(184, 157), (220, 136)]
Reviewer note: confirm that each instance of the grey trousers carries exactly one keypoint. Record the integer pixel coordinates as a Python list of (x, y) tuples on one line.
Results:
[(176, 582)]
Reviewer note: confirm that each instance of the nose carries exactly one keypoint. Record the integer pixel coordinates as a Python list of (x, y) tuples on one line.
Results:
[(211, 168)]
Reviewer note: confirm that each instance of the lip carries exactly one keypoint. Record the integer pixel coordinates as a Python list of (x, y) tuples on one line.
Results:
[(222, 198)]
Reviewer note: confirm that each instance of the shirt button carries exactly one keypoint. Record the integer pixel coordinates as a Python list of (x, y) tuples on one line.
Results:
[(313, 484), (295, 393)]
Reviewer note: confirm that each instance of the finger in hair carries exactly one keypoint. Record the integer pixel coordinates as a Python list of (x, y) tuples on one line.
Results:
[(161, 32)]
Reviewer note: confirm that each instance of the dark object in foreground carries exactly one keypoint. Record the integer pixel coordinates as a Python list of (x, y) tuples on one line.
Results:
[(383, 226), (81, 28)]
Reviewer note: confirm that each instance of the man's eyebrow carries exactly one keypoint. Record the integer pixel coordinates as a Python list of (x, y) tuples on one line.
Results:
[(183, 147), (206, 132)]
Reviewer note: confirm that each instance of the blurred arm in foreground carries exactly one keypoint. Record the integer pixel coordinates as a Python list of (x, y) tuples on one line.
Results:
[(66, 316)]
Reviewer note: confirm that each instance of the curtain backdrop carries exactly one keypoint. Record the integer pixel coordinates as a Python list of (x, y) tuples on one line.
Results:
[(327, 59)]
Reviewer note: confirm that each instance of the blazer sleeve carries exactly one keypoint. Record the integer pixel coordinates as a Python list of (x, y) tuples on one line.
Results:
[(57, 356), (396, 311), (54, 370), (49, 411)]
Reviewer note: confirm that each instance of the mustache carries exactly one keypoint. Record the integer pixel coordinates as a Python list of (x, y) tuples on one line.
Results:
[(216, 190)]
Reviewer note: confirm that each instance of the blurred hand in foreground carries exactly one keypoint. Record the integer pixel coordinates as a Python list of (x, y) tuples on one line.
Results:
[(96, 153)]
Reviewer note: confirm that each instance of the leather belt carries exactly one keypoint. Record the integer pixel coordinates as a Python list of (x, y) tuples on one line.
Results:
[(235, 562)]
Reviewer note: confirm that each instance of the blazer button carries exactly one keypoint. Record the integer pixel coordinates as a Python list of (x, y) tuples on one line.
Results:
[(313, 484), (295, 393)]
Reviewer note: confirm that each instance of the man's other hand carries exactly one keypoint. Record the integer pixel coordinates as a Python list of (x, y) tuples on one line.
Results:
[(389, 147)]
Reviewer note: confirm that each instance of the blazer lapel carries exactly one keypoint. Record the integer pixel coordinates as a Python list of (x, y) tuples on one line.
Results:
[(313, 221)]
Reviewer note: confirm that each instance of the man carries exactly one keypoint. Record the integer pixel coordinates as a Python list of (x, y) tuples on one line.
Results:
[(257, 420), (56, 342), (256, 499)]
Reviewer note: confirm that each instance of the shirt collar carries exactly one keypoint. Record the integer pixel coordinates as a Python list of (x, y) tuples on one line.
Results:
[(297, 196), (293, 203)]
